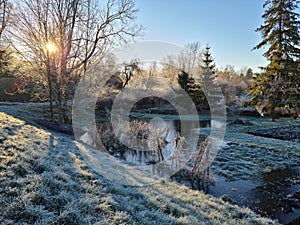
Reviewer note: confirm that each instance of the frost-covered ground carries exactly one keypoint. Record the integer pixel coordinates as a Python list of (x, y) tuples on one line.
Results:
[(247, 156), (44, 180)]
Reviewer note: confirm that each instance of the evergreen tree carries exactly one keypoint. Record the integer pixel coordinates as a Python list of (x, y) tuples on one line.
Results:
[(208, 68), (208, 60), (207, 77), (279, 83), (249, 74), (184, 80), (190, 85)]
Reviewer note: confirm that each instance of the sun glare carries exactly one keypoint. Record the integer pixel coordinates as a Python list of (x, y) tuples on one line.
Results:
[(51, 47)]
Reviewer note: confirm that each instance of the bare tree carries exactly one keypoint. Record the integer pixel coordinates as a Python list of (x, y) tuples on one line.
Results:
[(188, 59), (5, 15), (63, 37), (5, 52), (129, 70)]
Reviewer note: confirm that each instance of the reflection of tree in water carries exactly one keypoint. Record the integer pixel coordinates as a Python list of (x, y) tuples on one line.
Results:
[(163, 142), (199, 173), (154, 136), (195, 174), (276, 195), (202, 181), (157, 139)]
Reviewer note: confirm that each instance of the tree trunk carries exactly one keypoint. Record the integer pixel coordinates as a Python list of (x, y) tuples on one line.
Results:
[(50, 93), (273, 114)]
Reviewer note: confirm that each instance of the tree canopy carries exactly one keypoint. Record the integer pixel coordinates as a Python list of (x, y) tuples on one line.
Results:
[(61, 38), (279, 84)]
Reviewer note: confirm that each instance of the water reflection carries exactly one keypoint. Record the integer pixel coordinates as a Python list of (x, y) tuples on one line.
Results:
[(275, 194), (167, 139), (165, 143)]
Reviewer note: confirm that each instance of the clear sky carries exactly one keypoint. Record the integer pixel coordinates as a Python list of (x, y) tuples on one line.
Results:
[(227, 25)]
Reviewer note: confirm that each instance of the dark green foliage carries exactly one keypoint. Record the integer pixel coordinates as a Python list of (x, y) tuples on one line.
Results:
[(208, 74), (208, 60), (207, 77), (192, 88), (200, 89), (279, 84), (249, 74)]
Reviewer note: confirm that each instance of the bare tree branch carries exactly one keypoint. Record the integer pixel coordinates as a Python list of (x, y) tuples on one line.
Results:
[(80, 30)]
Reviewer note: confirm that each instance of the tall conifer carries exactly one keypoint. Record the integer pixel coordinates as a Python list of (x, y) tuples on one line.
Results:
[(279, 83)]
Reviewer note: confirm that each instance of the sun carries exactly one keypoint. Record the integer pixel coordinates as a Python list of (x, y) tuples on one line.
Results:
[(51, 47)]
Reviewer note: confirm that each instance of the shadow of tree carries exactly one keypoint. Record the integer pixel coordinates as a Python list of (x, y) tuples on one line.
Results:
[(47, 181)]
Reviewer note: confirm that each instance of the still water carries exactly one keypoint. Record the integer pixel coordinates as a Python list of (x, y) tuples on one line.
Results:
[(275, 194)]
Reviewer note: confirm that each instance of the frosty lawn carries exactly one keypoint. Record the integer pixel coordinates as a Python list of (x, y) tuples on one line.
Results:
[(246, 156), (44, 180)]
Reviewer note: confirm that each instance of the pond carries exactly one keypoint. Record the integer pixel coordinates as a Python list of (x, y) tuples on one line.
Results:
[(172, 127), (275, 194)]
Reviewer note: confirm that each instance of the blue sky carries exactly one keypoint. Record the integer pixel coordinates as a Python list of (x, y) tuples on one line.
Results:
[(227, 25)]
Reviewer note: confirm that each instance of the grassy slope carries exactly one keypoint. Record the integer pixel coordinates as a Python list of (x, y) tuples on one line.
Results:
[(43, 180)]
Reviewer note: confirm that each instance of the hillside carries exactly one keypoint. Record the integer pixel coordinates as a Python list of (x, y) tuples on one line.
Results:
[(45, 181)]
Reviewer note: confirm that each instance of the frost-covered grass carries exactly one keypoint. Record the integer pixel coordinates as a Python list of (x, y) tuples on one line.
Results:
[(44, 180), (247, 156), (26, 111)]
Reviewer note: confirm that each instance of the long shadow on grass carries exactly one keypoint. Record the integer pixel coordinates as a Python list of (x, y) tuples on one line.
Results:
[(150, 197)]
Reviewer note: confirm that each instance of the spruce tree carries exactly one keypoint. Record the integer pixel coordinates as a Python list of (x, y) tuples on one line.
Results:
[(207, 77), (192, 88), (208, 60), (279, 84), (208, 68)]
